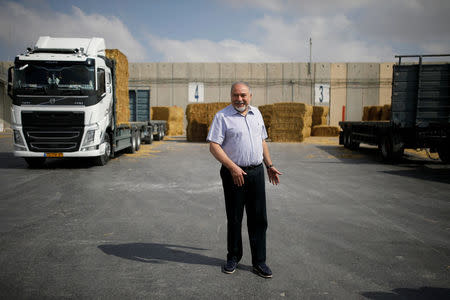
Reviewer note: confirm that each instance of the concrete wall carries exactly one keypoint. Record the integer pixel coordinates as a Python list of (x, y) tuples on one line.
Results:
[(385, 83), (338, 92), (352, 85), (362, 88)]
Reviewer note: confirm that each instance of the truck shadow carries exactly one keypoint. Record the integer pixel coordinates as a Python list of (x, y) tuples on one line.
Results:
[(409, 165), (160, 253), (9, 161), (424, 293)]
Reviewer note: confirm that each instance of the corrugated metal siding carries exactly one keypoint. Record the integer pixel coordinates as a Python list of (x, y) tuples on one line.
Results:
[(139, 105)]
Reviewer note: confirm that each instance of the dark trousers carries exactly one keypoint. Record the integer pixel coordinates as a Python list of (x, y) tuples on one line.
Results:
[(252, 196)]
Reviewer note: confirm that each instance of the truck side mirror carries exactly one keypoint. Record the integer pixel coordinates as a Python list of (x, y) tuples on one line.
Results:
[(10, 81)]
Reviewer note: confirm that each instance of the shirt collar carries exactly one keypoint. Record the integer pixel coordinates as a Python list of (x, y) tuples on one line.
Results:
[(234, 111)]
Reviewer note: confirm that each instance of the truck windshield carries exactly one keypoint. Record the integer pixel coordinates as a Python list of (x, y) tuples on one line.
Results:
[(54, 78)]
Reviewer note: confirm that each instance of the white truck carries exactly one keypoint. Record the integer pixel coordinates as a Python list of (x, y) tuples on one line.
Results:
[(65, 105)]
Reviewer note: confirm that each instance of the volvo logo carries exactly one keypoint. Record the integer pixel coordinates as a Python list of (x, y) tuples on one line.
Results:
[(52, 101)]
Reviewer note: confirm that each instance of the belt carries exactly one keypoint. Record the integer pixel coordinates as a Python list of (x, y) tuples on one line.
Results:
[(250, 167)]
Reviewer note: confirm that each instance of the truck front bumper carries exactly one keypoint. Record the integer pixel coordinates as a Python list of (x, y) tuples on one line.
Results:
[(87, 153)]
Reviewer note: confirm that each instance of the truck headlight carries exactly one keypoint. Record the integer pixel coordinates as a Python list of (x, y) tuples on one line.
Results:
[(89, 138), (18, 140)]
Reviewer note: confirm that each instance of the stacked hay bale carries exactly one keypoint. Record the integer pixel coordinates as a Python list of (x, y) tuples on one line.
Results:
[(319, 116), (377, 113), (290, 122), (320, 127), (386, 112), (172, 114), (199, 118), (121, 84), (267, 112), (325, 130)]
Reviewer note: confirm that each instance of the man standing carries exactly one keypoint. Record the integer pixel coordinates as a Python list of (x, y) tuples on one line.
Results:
[(237, 140)]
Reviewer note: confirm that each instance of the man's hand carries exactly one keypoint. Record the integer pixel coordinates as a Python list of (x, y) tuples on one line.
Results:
[(238, 176), (273, 173)]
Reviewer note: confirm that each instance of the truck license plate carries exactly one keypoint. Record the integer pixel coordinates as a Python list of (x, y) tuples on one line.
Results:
[(54, 155)]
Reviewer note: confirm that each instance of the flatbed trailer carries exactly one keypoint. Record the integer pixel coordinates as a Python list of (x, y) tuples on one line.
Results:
[(420, 113)]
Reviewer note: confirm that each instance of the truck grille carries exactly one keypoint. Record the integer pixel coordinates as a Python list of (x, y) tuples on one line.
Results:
[(53, 131)]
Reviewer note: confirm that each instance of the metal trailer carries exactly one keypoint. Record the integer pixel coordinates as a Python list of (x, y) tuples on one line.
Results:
[(420, 113)]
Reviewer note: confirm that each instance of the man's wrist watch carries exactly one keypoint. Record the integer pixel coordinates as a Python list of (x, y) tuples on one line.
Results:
[(269, 166)]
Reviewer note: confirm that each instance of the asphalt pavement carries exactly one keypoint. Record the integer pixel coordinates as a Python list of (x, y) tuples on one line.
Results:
[(342, 225)]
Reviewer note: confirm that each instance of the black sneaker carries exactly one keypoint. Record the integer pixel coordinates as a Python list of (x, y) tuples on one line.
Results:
[(263, 270), (230, 266)]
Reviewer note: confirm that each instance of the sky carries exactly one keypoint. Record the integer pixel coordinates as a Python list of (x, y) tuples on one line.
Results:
[(235, 30)]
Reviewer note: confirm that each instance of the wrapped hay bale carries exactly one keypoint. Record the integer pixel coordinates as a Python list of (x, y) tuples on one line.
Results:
[(199, 117), (386, 112), (319, 116), (173, 115), (325, 130), (121, 70), (291, 122)]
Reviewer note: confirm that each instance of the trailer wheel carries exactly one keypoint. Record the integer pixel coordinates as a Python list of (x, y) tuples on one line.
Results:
[(444, 155), (391, 148), (159, 136), (132, 148), (150, 138), (352, 145), (138, 140), (346, 139), (35, 162), (103, 159)]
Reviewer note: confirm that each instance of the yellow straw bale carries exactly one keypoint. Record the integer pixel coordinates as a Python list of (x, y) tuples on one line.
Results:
[(386, 112), (173, 115), (121, 70), (319, 116), (199, 117), (375, 113), (324, 130), (365, 116)]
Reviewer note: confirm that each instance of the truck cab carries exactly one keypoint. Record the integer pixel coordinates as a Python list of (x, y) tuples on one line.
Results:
[(62, 95)]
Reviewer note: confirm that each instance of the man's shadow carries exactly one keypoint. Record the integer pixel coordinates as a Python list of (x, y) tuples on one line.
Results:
[(161, 253)]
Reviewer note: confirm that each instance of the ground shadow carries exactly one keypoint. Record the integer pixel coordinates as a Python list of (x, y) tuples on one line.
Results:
[(160, 253), (423, 172), (410, 294), (9, 161)]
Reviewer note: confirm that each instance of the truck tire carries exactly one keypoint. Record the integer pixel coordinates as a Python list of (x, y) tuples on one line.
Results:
[(444, 155), (138, 140), (132, 148), (347, 139), (150, 138), (159, 136), (352, 145), (391, 148), (103, 159), (35, 162)]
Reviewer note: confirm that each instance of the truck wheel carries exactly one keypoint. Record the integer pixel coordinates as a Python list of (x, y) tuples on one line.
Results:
[(352, 145), (132, 148), (103, 159), (346, 139), (35, 162), (391, 149), (138, 140), (159, 136), (444, 155), (150, 138)]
